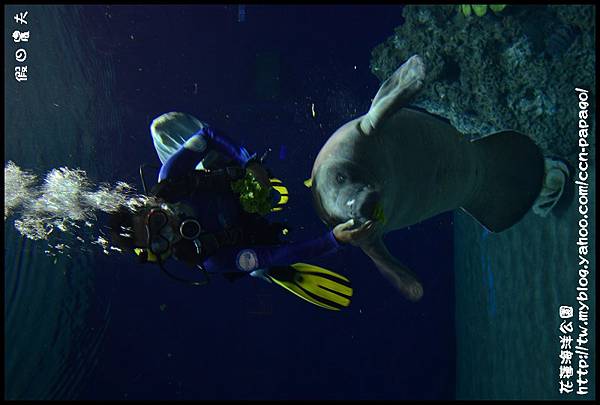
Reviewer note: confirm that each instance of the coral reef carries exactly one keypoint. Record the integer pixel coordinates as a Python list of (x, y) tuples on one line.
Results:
[(513, 70)]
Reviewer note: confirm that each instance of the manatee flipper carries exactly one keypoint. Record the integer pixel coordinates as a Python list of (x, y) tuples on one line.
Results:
[(512, 172), (556, 174), (171, 130), (395, 92), (398, 274)]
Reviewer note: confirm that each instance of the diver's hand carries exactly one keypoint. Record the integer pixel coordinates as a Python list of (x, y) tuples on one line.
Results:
[(344, 234), (260, 173)]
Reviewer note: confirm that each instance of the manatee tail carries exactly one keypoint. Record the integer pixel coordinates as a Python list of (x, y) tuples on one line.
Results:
[(512, 176)]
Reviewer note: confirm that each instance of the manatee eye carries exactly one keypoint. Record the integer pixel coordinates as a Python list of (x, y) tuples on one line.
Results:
[(340, 178)]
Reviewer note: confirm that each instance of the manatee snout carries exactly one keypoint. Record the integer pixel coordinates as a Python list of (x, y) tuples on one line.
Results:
[(346, 190), (362, 204), (367, 201)]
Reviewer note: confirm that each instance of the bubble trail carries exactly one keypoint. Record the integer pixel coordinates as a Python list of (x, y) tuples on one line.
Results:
[(66, 201)]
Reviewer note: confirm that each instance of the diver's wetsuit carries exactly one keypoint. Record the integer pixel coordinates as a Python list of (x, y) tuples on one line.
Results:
[(219, 210)]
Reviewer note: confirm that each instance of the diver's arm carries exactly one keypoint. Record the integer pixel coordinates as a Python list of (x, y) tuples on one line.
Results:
[(301, 251), (265, 256), (197, 147), (227, 147), (332, 241)]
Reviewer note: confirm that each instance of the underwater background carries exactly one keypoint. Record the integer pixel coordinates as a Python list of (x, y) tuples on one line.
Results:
[(86, 325)]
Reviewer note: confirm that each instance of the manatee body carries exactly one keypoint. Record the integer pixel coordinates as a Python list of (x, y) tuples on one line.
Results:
[(402, 166)]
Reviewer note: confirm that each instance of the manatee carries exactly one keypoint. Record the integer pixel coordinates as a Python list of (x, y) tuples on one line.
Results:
[(400, 166)]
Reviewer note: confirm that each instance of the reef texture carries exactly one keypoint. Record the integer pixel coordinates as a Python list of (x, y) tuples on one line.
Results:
[(513, 70)]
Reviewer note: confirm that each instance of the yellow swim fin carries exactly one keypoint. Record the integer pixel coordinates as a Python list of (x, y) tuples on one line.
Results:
[(147, 256), (314, 284), (283, 194), (308, 182)]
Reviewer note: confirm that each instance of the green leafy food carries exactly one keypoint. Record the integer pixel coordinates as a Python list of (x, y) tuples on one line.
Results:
[(496, 8), (253, 196), (480, 9)]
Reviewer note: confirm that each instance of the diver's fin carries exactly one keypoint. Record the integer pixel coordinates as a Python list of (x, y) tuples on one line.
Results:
[(314, 284), (171, 130), (308, 182), (512, 175), (282, 192)]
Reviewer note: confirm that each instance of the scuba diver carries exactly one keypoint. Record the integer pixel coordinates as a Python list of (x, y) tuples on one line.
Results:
[(208, 209)]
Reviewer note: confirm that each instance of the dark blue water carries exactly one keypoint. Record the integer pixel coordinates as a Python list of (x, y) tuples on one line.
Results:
[(256, 74)]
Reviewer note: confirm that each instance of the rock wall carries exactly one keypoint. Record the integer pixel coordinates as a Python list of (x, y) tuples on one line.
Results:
[(513, 70)]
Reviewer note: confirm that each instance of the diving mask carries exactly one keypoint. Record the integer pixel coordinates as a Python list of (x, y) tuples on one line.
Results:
[(157, 223), (190, 229), (161, 236)]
